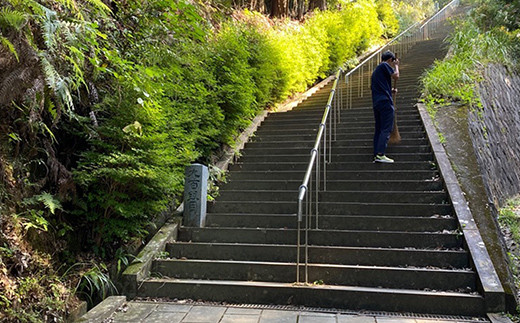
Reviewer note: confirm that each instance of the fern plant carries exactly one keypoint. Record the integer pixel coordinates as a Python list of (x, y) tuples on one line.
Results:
[(10, 18), (6, 43)]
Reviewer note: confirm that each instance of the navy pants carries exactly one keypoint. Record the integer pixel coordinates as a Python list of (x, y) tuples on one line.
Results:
[(384, 116)]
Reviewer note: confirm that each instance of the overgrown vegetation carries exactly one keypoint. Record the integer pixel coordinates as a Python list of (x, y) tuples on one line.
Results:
[(476, 41), (103, 103)]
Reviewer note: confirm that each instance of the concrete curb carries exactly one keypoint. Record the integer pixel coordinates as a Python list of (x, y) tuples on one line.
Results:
[(139, 269), (498, 318), (230, 152), (104, 310), (488, 278)]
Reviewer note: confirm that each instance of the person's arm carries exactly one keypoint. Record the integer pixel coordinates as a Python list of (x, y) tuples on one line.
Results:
[(395, 66)]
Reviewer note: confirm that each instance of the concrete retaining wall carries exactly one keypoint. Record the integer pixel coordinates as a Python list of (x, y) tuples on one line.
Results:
[(495, 132)]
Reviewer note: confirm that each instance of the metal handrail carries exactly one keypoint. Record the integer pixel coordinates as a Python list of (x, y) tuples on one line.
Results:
[(402, 42)]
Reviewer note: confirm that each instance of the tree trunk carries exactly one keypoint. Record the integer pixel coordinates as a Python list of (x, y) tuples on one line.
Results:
[(319, 4), (279, 8), (258, 5), (301, 9)]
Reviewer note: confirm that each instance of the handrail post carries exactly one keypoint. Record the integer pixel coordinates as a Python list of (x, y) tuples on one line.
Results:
[(307, 246), (325, 160), (317, 190)]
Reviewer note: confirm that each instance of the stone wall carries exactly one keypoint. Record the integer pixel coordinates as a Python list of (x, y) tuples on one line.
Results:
[(495, 132)]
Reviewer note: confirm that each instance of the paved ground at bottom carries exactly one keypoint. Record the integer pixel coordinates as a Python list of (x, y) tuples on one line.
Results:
[(137, 311)]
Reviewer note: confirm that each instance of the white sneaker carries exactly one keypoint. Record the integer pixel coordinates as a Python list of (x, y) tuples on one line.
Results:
[(383, 159)]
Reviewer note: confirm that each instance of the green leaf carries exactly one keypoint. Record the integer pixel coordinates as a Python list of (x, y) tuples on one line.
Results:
[(7, 44), (12, 18), (134, 128)]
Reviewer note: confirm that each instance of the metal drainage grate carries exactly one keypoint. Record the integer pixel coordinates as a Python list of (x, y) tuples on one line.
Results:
[(454, 318)]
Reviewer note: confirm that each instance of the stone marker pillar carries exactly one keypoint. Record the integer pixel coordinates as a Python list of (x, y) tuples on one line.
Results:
[(195, 195)]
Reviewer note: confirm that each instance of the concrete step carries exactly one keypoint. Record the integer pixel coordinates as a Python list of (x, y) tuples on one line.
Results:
[(367, 134), (332, 208), (329, 274), (354, 108), (318, 113), (335, 222), (381, 196), (406, 101), (408, 132), (345, 124), (341, 129), (345, 118), (350, 238), (296, 142), (335, 185), (336, 158), (363, 256), (383, 175), (351, 297), (337, 166), (344, 150)]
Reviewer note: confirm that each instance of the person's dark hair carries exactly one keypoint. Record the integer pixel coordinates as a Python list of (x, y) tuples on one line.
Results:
[(387, 55)]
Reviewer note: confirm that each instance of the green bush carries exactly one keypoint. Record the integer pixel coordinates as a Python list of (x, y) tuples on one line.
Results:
[(491, 14), (410, 11), (471, 48), (162, 115), (387, 18), (234, 76)]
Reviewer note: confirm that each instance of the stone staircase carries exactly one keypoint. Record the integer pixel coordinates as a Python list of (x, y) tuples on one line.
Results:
[(388, 239)]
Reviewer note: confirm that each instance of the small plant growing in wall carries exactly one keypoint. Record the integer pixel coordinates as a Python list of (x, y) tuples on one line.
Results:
[(216, 177)]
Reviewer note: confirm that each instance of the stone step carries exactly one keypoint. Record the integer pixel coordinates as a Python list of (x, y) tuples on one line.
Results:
[(335, 222), (332, 208), (406, 101), (326, 296), (354, 108), (341, 129), (318, 114), (366, 135), (338, 143), (337, 166), (350, 238), (344, 150), (305, 140), (380, 196), (383, 175), (281, 184), (345, 118), (405, 88), (344, 125), (329, 274), (336, 158), (363, 256)]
